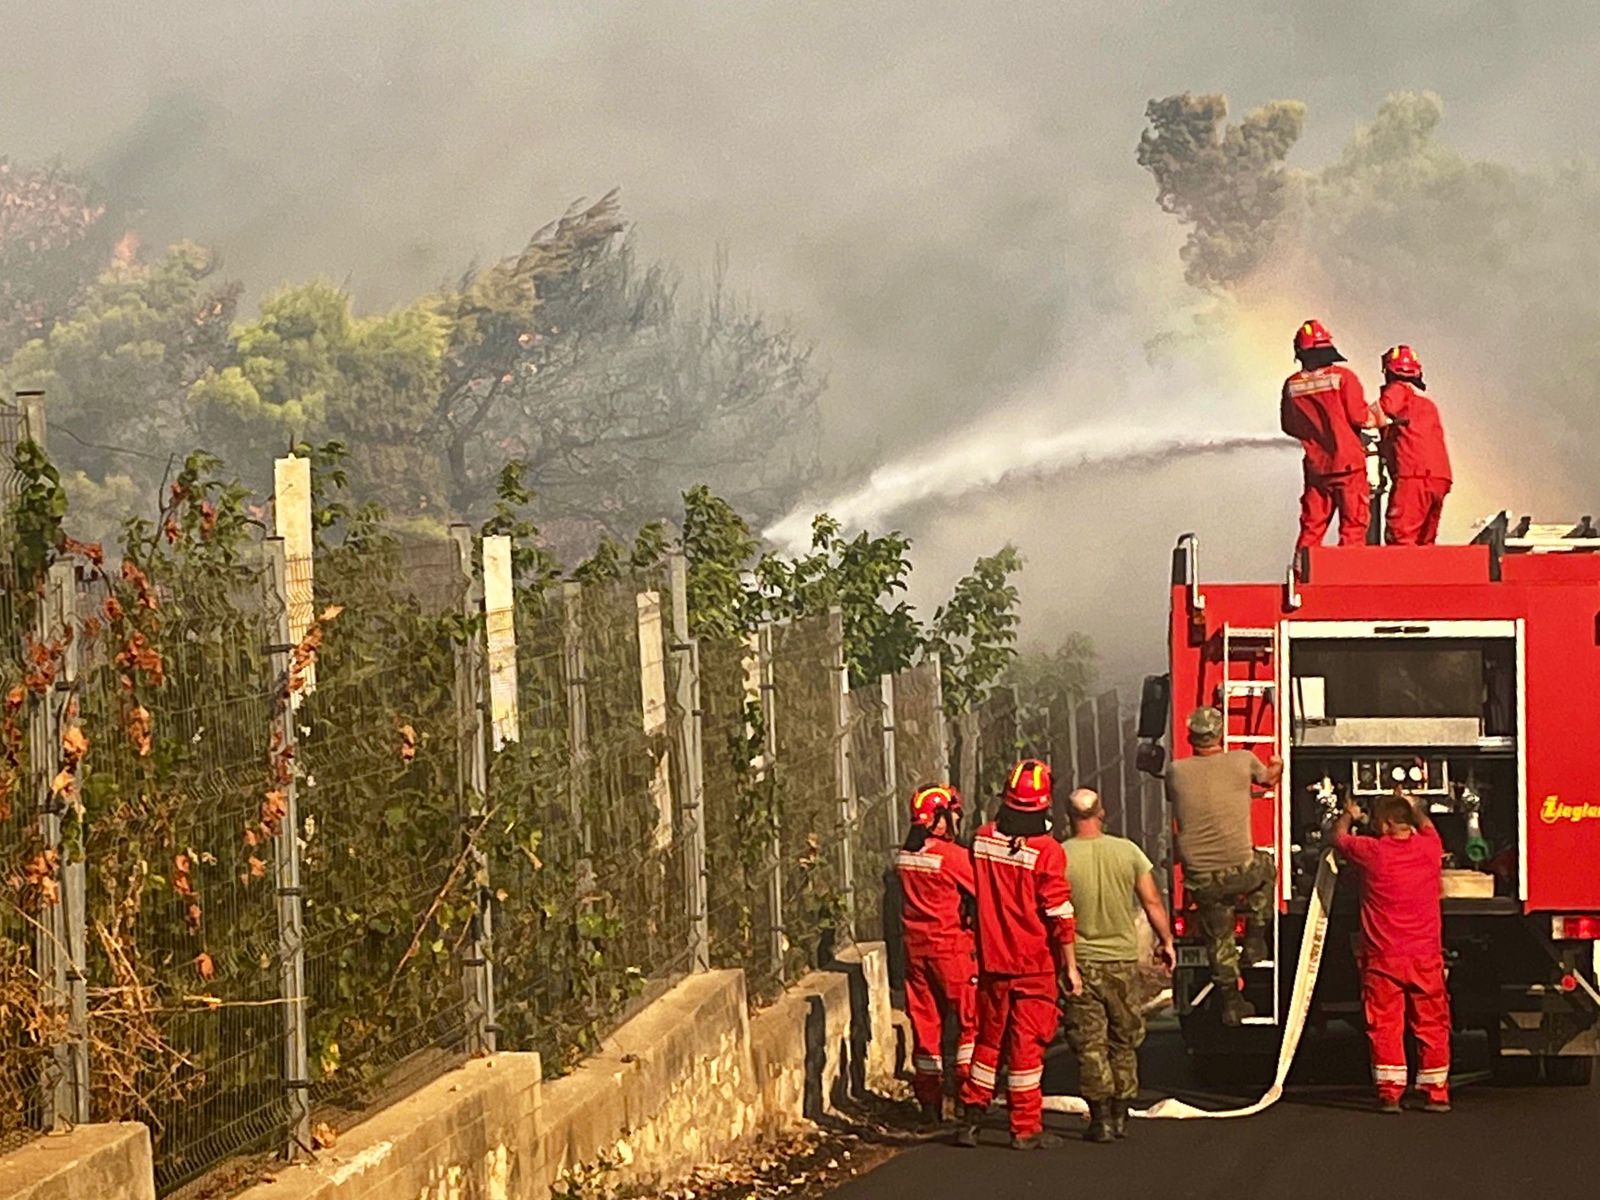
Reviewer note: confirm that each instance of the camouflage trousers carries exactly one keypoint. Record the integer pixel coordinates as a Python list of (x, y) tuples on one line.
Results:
[(1105, 1028), (1216, 894)]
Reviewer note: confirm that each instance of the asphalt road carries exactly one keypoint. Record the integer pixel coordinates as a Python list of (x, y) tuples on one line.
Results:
[(1321, 1141)]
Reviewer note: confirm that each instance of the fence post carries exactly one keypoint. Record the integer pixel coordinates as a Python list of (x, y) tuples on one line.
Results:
[(844, 775), (577, 706), (891, 761), (472, 784), (767, 673), (286, 856), (60, 932), (691, 734)]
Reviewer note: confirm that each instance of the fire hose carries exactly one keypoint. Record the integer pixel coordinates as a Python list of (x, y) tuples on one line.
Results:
[(1305, 983)]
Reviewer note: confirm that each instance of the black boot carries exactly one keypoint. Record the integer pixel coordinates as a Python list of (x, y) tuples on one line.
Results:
[(1044, 1140), (1234, 1008), (967, 1132), (1099, 1122), (1117, 1119), (931, 1114)]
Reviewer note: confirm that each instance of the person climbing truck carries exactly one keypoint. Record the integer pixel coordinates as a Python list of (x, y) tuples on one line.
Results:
[(1325, 408), (1109, 875), (1414, 451), (938, 890), (1025, 956), (1402, 948), (1210, 797)]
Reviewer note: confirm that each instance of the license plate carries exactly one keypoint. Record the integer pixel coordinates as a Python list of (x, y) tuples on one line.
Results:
[(1192, 956)]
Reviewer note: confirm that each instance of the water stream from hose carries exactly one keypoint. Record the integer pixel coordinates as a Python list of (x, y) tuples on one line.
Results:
[(975, 464)]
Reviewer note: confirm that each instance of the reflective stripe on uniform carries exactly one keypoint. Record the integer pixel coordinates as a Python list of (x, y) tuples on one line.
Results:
[(1433, 1076), (1389, 1074), (964, 1053), (983, 1075), (1024, 1081), (907, 860), (1060, 910), (995, 849), (1307, 384), (928, 1064)]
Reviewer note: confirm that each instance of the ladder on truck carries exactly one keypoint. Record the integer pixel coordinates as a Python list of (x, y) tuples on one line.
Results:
[(1248, 698)]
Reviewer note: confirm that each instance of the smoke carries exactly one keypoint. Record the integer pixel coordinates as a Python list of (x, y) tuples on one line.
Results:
[(949, 202), (991, 460)]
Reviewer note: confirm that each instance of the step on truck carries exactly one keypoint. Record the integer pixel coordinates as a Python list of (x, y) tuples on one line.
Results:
[(1470, 676)]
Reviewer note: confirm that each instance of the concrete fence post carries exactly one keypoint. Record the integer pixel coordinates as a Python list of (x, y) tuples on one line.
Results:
[(572, 671), (891, 762), (767, 673), (60, 931), (472, 702), (286, 862), (843, 770), (691, 747)]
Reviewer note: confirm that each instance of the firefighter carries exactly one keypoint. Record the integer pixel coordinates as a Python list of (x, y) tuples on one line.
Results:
[(1323, 405), (1025, 955), (1414, 450), (1105, 1022), (1402, 949), (1209, 793), (938, 890)]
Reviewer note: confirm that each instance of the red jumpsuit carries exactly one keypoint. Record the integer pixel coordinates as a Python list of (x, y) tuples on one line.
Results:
[(941, 960), (1024, 925), (1418, 460), (1326, 410), (1402, 959)]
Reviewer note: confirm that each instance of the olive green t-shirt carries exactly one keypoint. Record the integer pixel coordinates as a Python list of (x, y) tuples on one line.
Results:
[(1210, 797), (1103, 871)]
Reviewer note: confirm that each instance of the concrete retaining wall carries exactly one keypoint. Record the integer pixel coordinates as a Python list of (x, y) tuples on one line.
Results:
[(93, 1162), (679, 1085)]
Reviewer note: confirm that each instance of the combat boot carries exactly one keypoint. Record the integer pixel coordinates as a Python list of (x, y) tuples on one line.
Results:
[(1256, 949), (1234, 1008), (1099, 1123), (967, 1131), (931, 1114), (1117, 1119)]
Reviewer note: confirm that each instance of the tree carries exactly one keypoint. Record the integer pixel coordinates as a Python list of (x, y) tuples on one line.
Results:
[(975, 631), (56, 236), (117, 370), (718, 548)]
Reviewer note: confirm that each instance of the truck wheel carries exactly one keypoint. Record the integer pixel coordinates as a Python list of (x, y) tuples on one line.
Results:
[(1568, 1070)]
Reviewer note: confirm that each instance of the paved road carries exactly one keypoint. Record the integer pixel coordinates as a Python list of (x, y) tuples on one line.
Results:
[(1322, 1142)]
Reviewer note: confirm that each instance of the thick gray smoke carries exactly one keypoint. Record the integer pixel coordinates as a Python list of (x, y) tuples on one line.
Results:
[(946, 198)]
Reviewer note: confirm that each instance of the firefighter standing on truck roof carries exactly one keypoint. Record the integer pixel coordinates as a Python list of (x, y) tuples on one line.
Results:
[(938, 889), (1209, 793), (1415, 451), (1105, 1022), (1324, 406), (1025, 936), (1402, 949)]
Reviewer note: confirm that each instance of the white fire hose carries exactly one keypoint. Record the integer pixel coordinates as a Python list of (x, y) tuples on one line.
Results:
[(1305, 983)]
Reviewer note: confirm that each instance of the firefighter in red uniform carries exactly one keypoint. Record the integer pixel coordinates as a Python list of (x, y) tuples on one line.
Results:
[(1414, 448), (1402, 952), (1025, 936), (1324, 407), (937, 887)]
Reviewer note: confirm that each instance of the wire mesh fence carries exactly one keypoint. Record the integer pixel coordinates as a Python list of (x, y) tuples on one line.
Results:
[(388, 896)]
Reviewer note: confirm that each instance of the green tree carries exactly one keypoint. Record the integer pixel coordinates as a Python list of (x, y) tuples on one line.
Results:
[(718, 547), (975, 631)]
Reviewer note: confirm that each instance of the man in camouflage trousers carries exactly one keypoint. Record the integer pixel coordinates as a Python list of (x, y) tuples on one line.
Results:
[(1209, 793), (1105, 1021)]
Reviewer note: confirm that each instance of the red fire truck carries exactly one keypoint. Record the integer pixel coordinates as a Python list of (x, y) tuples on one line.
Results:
[(1471, 676)]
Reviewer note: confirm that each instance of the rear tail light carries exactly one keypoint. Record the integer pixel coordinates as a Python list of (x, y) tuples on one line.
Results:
[(1575, 929), (1240, 924), (1569, 982), (1180, 926)]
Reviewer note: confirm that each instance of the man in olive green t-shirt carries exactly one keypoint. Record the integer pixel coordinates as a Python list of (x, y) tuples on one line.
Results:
[(1105, 1022)]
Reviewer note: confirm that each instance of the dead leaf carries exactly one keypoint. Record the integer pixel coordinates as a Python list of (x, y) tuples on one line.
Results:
[(408, 743), (331, 613), (138, 727), (258, 869), (62, 782), (324, 1136), (205, 966), (74, 745)]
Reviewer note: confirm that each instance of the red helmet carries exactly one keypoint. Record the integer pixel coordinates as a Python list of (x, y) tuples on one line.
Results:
[(931, 802), (1402, 363), (1028, 788), (1311, 335)]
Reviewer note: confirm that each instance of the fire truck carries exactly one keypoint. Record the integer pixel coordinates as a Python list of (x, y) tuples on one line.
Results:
[(1469, 675)]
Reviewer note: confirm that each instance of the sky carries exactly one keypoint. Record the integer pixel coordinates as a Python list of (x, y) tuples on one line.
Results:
[(942, 195)]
